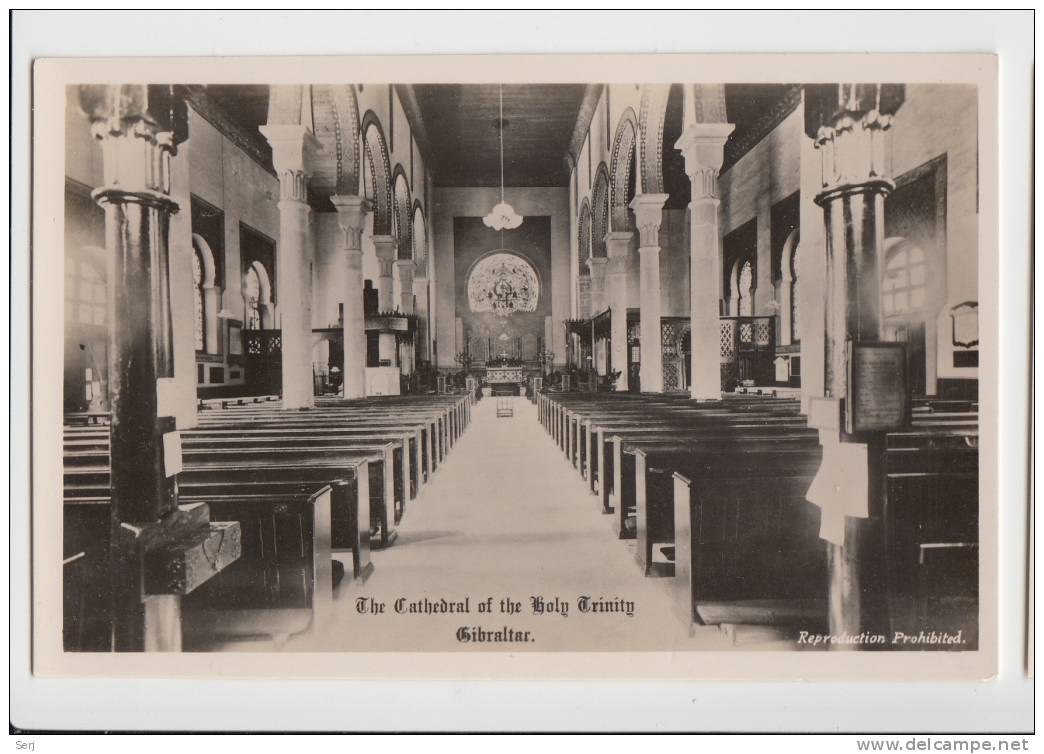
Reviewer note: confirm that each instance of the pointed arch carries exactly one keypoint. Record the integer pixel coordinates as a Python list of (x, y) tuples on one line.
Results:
[(377, 175), (620, 170), (600, 211), (402, 213)]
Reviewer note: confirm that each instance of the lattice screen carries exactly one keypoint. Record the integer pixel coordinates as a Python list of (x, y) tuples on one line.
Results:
[(728, 340), (670, 377), (669, 339), (763, 331)]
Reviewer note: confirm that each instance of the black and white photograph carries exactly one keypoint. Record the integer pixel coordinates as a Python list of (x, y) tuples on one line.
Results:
[(520, 367), (447, 372)]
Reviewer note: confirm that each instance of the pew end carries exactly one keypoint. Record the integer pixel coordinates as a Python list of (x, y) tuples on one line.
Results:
[(747, 552)]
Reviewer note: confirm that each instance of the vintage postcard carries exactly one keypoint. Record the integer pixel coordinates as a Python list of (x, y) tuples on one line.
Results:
[(635, 366)]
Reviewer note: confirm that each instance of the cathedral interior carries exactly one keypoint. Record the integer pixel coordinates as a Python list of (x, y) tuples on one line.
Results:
[(442, 339)]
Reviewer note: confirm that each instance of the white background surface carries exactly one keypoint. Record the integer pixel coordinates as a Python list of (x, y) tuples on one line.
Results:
[(1004, 704)]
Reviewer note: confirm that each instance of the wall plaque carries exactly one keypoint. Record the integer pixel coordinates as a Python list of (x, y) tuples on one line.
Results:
[(878, 387)]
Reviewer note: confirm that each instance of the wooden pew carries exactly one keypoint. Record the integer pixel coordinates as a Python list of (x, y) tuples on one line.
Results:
[(616, 468), (82, 449), (577, 415), (352, 500), (931, 533), (283, 582), (397, 486), (747, 549), (721, 454), (433, 446)]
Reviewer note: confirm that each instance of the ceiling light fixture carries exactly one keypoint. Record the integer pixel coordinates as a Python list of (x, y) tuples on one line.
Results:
[(503, 215)]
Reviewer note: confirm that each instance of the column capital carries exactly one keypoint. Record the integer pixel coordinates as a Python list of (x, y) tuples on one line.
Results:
[(618, 243), (351, 210), (351, 217), (703, 147), (385, 248), (849, 124), (595, 264), (406, 268), (648, 215), (293, 156), (139, 127)]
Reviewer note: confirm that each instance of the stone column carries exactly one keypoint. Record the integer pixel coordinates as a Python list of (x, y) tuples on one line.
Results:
[(648, 213), (597, 267), (583, 295), (385, 249), (292, 149), (138, 127), (404, 269), (135, 194), (849, 124), (703, 146), (618, 247), (351, 217)]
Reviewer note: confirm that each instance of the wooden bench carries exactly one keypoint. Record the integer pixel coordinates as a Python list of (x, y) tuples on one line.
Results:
[(614, 467), (433, 444), (931, 534), (649, 514), (281, 585), (747, 550)]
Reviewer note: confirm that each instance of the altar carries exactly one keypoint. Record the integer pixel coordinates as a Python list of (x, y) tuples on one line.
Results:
[(506, 380)]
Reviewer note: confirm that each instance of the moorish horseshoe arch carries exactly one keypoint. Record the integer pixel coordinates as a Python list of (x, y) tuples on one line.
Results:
[(335, 116), (402, 209), (600, 211), (378, 189), (200, 246), (420, 239), (584, 237), (789, 300), (652, 119), (620, 171)]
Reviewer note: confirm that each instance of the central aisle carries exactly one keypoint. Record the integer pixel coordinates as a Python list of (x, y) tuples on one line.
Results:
[(507, 517)]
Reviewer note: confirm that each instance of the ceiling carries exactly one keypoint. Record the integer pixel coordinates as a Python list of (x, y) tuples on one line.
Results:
[(459, 120)]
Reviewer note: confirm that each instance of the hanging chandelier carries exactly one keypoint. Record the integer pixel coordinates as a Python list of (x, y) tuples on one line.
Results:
[(503, 215)]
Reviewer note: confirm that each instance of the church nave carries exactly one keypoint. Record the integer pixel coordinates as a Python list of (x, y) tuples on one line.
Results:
[(507, 517)]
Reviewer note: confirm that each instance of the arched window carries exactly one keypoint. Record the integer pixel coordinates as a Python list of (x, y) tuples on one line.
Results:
[(197, 298), (745, 283), (904, 282), (503, 283), (251, 297)]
